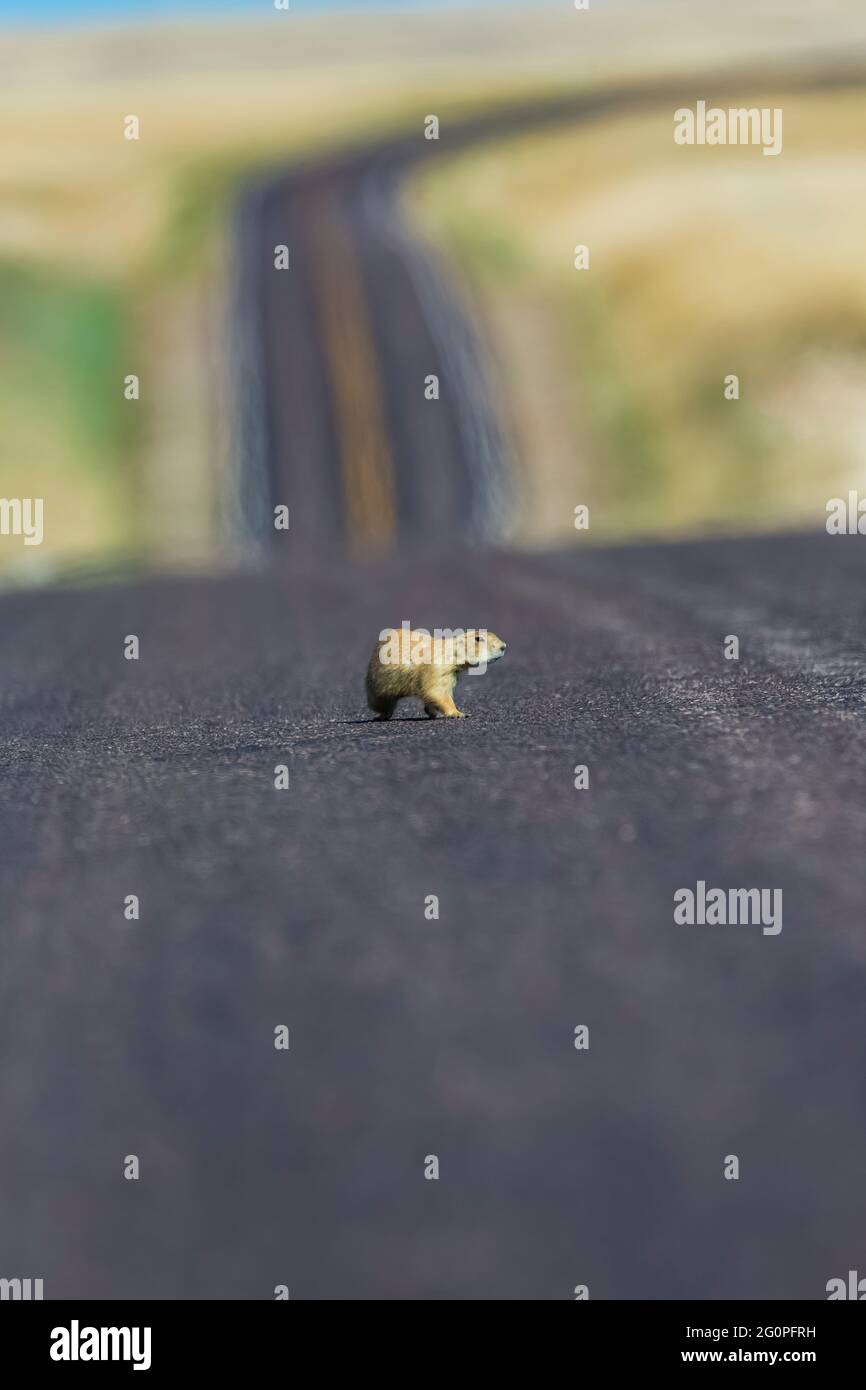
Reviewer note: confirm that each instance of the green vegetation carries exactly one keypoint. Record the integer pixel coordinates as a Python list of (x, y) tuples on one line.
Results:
[(61, 348), (63, 340)]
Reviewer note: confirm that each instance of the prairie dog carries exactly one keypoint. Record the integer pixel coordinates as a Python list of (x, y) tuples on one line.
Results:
[(407, 663)]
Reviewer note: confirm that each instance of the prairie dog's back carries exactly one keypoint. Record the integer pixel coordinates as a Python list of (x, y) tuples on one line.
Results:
[(392, 671), (408, 663)]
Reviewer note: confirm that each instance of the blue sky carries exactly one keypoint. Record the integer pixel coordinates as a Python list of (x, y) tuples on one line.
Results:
[(58, 11)]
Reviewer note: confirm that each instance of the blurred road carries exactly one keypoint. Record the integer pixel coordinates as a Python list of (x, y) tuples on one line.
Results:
[(306, 907), (335, 352)]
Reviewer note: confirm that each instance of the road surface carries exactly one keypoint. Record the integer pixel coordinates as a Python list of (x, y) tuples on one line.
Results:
[(414, 1036)]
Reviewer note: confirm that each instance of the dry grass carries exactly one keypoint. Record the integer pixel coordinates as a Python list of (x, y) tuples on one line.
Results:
[(704, 262)]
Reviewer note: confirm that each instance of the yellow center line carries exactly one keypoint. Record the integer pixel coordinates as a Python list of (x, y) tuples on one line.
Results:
[(365, 455)]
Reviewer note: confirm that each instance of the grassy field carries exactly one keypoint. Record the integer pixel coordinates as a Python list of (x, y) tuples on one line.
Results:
[(60, 338), (113, 252), (704, 262)]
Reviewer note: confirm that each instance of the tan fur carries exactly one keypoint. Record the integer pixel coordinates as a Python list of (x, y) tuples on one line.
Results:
[(413, 664)]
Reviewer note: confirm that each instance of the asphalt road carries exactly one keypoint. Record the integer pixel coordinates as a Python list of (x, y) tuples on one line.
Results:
[(413, 1037)]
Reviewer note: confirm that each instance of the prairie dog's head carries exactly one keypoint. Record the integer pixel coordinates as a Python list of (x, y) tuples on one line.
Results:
[(481, 646)]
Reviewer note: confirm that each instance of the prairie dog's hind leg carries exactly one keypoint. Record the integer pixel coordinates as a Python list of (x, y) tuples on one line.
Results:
[(383, 707)]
